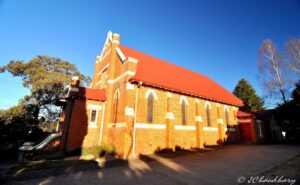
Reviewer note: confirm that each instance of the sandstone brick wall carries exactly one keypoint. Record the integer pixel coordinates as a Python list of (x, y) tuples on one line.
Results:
[(185, 138), (117, 139), (149, 141)]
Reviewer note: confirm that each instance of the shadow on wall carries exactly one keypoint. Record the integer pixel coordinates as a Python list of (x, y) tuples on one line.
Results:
[(233, 135), (78, 127)]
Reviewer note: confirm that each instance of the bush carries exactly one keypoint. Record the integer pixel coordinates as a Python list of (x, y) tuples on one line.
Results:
[(99, 151)]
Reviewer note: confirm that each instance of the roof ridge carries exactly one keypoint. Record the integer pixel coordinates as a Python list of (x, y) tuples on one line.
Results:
[(168, 75)]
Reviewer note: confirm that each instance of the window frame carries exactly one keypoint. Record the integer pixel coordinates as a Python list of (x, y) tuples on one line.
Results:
[(208, 115), (93, 123), (150, 96), (183, 113), (227, 117)]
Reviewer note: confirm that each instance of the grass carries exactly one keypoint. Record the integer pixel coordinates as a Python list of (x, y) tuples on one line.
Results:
[(99, 151)]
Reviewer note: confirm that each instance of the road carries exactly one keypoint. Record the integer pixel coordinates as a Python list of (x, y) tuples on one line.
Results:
[(223, 166)]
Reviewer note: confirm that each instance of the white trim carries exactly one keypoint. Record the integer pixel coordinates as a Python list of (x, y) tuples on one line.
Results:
[(99, 82), (150, 126), (131, 73), (184, 127), (205, 105), (101, 58), (96, 107), (74, 89), (129, 111), (129, 86), (109, 35), (134, 123), (105, 55), (170, 115), (183, 98), (117, 125), (226, 108), (107, 40), (116, 42), (98, 59), (130, 59), (198, 119), (151, 91), (117, 92), (102, 123), (229, 129), (93, 124), (105, 67), (121, 55), (220, 121), (210, 128)]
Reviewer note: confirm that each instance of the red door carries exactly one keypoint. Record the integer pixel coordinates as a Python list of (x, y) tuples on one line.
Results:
[(246, 135)]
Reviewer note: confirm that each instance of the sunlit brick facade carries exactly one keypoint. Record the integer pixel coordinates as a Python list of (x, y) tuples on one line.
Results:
[(141, 117)]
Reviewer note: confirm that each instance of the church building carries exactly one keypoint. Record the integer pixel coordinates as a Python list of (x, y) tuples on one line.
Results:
[(141, 104)]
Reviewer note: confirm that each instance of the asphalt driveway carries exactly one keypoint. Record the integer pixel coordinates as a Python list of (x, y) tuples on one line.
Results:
[(223, 166)]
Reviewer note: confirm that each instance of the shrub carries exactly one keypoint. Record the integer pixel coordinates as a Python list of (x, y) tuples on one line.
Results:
[(99, 151)]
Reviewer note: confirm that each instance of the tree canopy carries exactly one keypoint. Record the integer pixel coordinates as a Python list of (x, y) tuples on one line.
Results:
[(274, 74), (247, 93), (47, 78)]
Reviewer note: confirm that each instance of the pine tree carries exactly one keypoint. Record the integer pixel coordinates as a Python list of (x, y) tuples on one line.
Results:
[(247, 93)]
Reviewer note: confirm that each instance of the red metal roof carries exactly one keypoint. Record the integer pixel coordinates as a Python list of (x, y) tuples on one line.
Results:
[(244, 114), (92, 94), (156, 72)]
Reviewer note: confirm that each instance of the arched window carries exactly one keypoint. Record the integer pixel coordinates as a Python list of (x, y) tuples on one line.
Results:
[(227, 117), (208, 118), (150, 105), (183, 113), (116, 105)]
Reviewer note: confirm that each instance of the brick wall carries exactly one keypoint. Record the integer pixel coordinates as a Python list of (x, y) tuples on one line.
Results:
[(147, 140), (81, 133)]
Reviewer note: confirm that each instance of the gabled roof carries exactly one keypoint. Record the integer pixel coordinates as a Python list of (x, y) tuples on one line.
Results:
[(156, 72), (92, 94)]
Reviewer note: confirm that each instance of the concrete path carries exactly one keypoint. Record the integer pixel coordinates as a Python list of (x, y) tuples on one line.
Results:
[(222, 166)]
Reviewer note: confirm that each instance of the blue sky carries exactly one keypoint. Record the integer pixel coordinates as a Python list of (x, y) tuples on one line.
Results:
[(216, 38)]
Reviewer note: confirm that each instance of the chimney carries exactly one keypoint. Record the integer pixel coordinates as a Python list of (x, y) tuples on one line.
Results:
[(75, 82), (73, 87), (116, 38)]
